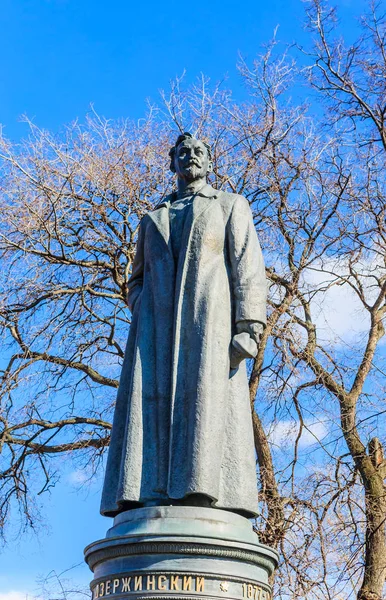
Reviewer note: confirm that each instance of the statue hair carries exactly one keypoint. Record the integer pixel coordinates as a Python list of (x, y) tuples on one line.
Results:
[(181, 138)]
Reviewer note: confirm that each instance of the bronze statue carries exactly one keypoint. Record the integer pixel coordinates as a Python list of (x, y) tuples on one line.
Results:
[(182, 431)]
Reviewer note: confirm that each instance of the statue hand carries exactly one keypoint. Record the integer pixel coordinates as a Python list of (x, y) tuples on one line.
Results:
[(243, 346), (253, 328), (246, 341)]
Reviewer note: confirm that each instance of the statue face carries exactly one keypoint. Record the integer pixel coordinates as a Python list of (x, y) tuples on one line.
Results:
[(191, 160)]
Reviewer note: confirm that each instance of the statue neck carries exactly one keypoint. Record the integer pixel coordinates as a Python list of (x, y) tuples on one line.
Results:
[(186, 188)]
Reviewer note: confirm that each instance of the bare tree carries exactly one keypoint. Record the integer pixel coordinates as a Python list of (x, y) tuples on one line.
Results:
[(353, 84)]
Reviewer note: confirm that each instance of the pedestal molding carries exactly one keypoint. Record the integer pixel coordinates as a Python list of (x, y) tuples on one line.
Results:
[(176, 553), (125, 549)]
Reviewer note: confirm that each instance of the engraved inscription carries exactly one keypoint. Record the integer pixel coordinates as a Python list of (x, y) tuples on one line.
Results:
[(179, 584), (254, 592), (184, 583)]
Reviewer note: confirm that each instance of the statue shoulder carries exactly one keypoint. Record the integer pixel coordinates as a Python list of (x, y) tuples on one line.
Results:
[(164, 202), (233, 202), (154, 213), (144, 222)]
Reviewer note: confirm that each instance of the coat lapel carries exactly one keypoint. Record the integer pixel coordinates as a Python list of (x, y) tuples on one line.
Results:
[(200, 206), (203, 201), (160, 216)]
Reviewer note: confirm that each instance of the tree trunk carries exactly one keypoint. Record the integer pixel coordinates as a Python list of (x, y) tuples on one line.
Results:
[(274, 527), (375, 551)]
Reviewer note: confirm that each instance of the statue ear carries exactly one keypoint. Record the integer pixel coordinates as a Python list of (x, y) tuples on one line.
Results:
[(171, 167), (210, 167)]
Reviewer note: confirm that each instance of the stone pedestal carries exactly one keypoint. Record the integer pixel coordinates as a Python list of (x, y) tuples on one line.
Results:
[(179, 552)]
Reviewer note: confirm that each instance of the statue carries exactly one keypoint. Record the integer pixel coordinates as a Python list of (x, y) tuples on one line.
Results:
[(182, 431)]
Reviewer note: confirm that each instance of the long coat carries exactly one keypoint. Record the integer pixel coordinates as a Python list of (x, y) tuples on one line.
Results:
[(182, 420)]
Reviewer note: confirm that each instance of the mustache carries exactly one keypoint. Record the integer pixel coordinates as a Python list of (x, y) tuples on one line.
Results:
[(193, 162)]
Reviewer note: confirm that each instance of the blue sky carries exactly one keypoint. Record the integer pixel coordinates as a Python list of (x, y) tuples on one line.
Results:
[(58, 57)]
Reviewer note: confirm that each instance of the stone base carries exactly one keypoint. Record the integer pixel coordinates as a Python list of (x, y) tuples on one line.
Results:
[(177, 552)]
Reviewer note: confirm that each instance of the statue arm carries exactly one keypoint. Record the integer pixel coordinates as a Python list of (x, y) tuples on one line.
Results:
[(247, 271), (135, 283), (248, 280)]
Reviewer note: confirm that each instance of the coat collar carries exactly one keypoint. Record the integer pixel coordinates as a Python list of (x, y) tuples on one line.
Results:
[(206, 192), (160, 214)]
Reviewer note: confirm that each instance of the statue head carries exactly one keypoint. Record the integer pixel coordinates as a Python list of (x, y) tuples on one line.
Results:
[(190, 158)]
